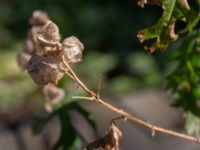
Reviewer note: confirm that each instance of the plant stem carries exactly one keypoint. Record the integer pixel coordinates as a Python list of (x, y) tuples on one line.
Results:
[(94, 97)]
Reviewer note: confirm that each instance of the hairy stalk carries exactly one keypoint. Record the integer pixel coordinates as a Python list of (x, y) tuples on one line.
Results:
[(95, 97)]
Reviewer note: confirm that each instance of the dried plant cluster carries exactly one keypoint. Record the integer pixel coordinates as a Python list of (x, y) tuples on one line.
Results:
[(43, 53), (47, 58)]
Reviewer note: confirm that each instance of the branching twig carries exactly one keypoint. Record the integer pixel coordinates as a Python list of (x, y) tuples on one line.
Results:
[(93, 96)]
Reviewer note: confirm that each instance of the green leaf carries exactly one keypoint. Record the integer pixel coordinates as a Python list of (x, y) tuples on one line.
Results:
[(184, 81), (192, 124)]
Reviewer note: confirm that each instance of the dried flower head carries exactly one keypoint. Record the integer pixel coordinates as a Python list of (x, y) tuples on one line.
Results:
[(23, 59), (72, 49), (38, 18), (44, 69)]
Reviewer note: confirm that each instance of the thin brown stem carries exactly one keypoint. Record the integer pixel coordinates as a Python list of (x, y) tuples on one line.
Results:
[(74, 77), (93, 96), (99, 86)]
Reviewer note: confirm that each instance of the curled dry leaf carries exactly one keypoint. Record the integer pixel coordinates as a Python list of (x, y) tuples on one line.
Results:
[(109, 142), (72, 49), (23, 59), (39, 18), (44, 69)]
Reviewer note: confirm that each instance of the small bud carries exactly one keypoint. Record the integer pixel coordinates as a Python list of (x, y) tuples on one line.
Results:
[(39, 18), (53, 94), (72, 49), (44, 69), (23, 59)]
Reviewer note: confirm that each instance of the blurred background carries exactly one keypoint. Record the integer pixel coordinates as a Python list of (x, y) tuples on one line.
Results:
[(131, 76)]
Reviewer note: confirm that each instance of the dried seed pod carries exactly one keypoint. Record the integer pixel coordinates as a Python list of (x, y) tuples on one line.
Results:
[(44, 69), (53, 94), (109, 142), (72, 49), (39, 18), (49, 34), (23, 59)]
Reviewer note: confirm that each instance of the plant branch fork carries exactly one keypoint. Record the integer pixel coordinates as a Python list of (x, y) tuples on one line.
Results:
[(96, 98)]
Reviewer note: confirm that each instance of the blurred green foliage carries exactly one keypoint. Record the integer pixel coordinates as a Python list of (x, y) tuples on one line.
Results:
[(184, 80)]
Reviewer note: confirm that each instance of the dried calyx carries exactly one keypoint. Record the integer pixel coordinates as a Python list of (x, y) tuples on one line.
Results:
[(44, 69), (72, 49), (43, 55)]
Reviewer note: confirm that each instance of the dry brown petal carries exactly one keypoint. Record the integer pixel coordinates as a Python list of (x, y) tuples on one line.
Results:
[(53, 94), (44, 69), (38, 18), (49, 33), (171, 32), (72, 49), (23, 59), (109, 142), (115, 135)]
